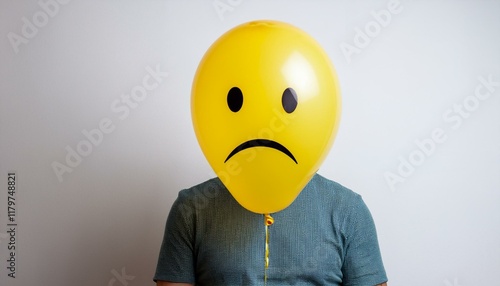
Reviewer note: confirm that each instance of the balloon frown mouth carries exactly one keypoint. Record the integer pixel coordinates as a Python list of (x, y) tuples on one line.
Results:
[(261, 143)]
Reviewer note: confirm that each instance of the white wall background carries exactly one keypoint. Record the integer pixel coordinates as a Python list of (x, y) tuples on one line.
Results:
[(102, 223)]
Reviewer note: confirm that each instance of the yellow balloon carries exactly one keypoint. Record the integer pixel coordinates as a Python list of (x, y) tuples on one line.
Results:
[(265, 106)]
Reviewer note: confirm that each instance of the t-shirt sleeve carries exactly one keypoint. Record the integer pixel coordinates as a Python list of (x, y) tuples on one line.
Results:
[(176, 259), (363, 264)]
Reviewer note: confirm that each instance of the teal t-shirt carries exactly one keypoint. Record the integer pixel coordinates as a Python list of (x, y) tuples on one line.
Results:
[(325, 237)]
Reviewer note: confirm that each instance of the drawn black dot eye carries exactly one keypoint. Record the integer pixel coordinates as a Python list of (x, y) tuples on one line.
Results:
[(289, 100), (235, 99)]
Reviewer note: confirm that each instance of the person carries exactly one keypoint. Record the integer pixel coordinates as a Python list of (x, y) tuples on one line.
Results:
[(325, 237), (265, 109)]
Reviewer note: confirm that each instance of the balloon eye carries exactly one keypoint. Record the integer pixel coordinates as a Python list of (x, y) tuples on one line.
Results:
[(289, 100), (235, 99)]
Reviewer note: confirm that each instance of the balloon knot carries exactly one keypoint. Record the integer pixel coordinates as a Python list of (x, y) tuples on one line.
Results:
[(268, 219)]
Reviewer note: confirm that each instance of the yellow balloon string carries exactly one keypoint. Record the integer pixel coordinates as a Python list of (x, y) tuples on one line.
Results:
[(268, 221)]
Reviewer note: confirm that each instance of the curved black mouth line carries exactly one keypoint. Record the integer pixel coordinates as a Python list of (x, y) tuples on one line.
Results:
[(261, 143)]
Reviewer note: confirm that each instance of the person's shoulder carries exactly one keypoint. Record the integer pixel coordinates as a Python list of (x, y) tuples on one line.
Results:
[(332, 196), (330, 188), (208, 189), (200, 196), (344, 205)]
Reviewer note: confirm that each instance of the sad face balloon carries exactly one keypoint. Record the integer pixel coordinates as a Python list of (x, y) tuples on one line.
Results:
[(265, 107)]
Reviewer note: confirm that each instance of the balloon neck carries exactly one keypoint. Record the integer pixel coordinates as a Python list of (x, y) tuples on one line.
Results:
[(268, 220)]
